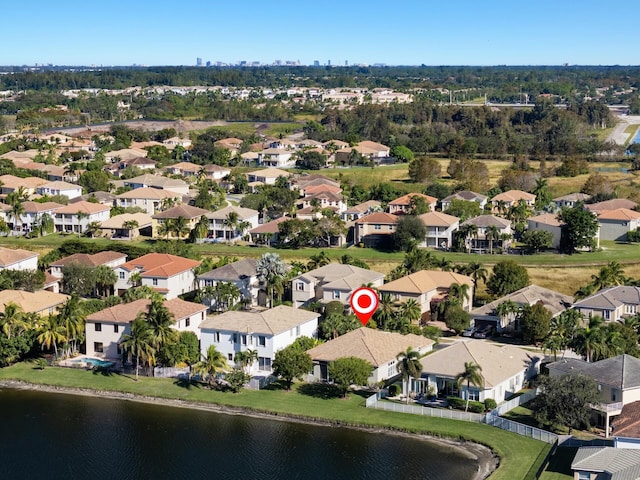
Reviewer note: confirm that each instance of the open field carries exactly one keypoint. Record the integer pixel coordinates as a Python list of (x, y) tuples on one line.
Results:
[(518, 454)]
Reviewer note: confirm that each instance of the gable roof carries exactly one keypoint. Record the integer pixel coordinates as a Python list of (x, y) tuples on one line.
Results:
[(37, 207), (621, 372), (161, 265), (621, 214), (611, 298), (232, 272), (341, 276), (118, 221), (406, 199), (269, 322), (84, 207), (379, 217), (425, 281), (128, 312), (611, 205), (269, 227), (10, 256), (466, 195), (376, 347), (498, 362), (514, 196), (483, 221), (618, 463), (550, 219), (553, 301), (363, 207), (94, 260), (269, 173), (243, 213), (182, 210), (437, 219)]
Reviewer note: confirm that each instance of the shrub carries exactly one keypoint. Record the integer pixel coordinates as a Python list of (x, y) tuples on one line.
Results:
[(490, 404), (460, 404)]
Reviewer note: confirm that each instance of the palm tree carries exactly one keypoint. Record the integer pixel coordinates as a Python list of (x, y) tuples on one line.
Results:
[(227, 294), (231, 222), (269, 269), (201, 228), (468, 231), (92, 229), (318, 260), (417, 259), (590, 340), (246, 358), (610, 275), (477, 272), (81, 216), (139, 343), (160, 321), (491, 233), (385, 312), (51, 333), (459, 294), (17, 210), (180, 226), (45, 224), (210, 365), (130, 226), (472, 376), (409, 366), (506, 311), (165, 228), (411, 311), (72, 319), (12, 319), (105, 279)]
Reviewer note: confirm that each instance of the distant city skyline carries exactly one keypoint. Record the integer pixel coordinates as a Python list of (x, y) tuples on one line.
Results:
[(413, 32)]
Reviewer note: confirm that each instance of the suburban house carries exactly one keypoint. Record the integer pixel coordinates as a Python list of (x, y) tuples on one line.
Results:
[(186, 169), (376, 347), (232, 144), (358, 211), (505, 370), (606, 463), (571, 200), (618, 380), (614, 224), (76, 217), (427, 286), (42, 302), (265, 332), (69, 190), (488, 314), (108, 258), (612, 304), (276, 158), (511, 198), (375, 228), (33, 212), (440, 229), (127, 225), (480, 242), (151, 200), (18, 259), (221, 229), (311, 181), (323, 200), (266, 176), (124, 154), (104, 329), (613, 204), (156, 181), (404, 204), (547, 222), (464, 195), (173, 142), (335, 281), (168, 274), (11, 183), (241, 273), (267, 233), (142, 163), (191, 216), (104, 198)]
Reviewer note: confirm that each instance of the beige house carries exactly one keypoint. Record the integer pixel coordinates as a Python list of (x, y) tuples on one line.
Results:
[(18, 259), (427, 286), (190, 214), (480, 242), (512, 197), (440, 229), (374, 228), (266, 176), (404, 204), (377, 347), (612, 304), (151, 200), (76, 217), (615, 224), (11, 183), (156, 181), (105, 329), (547, 222), (67, 189), (108, 258), (42, 302), (219, 228), (118, 226)]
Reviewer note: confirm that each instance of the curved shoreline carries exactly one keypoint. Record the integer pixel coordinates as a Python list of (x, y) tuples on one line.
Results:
[(487, 460)]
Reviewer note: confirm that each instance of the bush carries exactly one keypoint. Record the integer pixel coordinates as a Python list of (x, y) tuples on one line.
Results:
[(490, 404), (394, 390), (460, 404)]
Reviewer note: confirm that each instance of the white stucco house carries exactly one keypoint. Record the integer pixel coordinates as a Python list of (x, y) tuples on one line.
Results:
[(18, 259), (241, 273), (167, 274), (67, 189), (104, 329), (266, 332), (76, 217)]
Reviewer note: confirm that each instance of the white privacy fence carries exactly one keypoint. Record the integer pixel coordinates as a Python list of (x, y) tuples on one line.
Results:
[(427, 411)]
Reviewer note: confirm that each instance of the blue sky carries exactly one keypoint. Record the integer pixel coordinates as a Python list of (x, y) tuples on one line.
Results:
[(467, 32)]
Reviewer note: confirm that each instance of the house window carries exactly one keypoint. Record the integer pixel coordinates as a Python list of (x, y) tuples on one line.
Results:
[(377, 227), (98, 347), (230, 356), (391, 370), (474, 395), (121, 275), (118, 349), (300, 286), (613, 396), (262, 341), (607, 315), (336, 294), (235, 338), (584, 476), (264, 363), (98, 327), (187, 322), (298, 331), (216, 337), (244, 339), (116, 328), (155, 282)]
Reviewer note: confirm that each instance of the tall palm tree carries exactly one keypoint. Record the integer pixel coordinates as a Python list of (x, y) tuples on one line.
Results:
[(105, 279), (411, 311), (492, 233), (590, 341), (472, 376), (160, 321), (610, 275), (409, 366), (17, 210), (211, 364), (385, 312), (507, 311), (80, 215), (201, 228), (477, 272), (130, 226), (246, 358), (51, 333), (72, 319), (231, 222), (165, 228), (468, 231), (459, 293), (139, 343), (270, 269), (180, 226), (12, 319), (45, 224), (318, 260)]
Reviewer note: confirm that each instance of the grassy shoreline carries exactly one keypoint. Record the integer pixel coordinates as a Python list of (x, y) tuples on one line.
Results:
[(518, 455)]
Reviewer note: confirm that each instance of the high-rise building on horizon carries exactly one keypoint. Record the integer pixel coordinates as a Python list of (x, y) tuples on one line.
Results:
[(198, 61)]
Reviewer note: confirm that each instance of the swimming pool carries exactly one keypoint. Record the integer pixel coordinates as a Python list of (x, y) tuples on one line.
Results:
[(95, 362)]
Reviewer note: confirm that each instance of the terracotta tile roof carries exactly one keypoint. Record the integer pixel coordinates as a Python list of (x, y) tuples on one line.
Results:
[(10, 256), (36, 207), (118, 221), (270, 227), (364, 207), (406, 199), (243, 213), (546, 219), (438, 219), (149, 193), (185, 167), (85, 207), (379, 217), (425, 281), (373, 145), (128, 312), (623, 214), (483, 221), (376, 347), (162, 265), (316, 189), (31, 302), (183, 210), (514, 196), (269, 173), (100, 258), (11, 181), (270, 322), (609, 204)]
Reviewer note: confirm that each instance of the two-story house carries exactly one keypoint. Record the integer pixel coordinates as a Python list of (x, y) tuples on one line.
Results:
[(264, 332), (612, 304), (466, 196), (375, 228), (32, 215), (105, 329), (107, 258), (221, 226), (491, 233), (18, 259), (266, 176), (362, 209), (168, 274), (241, 273), (190, 215), (151, 200), (440, 229), (510, 198), (156, 181), (405, 203), (76, 217), (67, 189), (276, 158), (335, 281)]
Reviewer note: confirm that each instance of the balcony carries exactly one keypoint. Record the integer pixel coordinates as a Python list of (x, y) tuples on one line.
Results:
[(608, 408)]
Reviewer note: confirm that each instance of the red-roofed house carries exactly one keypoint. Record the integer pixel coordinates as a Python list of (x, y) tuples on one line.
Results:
[(75, 217), (168, 274), (404, 204), (375, 228), (104, 329)]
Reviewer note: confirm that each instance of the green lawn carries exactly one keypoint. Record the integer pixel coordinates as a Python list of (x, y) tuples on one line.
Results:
[(518, 454), (559, 467)]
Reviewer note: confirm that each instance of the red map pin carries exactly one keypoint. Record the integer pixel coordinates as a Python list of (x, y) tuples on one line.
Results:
[(364, 303)]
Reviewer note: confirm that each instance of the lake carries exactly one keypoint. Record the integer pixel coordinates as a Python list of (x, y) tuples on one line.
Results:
[(50, 435)]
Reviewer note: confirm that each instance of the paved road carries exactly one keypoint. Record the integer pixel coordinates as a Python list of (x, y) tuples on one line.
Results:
[(618, 135)]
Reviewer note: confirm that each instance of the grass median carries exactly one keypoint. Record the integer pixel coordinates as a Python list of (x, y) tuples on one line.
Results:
[(517, 454)]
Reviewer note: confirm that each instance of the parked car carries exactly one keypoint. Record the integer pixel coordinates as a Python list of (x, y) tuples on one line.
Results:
[(469, 332), (483, 332)]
